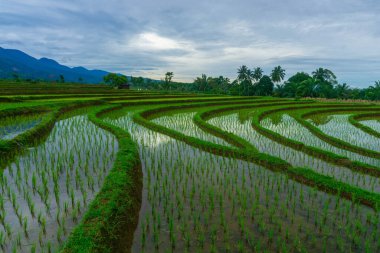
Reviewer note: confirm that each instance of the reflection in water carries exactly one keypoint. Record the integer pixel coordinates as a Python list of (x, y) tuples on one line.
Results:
[(198, 202), (45, 192)]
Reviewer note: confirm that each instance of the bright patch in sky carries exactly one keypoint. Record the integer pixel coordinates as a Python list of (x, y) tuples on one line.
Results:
[(152, 41)]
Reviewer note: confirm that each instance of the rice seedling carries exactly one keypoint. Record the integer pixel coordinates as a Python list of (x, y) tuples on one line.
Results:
[(373, 123), (12, 126), (339, 127), (296, 158), (249, 196), (290, 128), (196, 196), (38, 181)]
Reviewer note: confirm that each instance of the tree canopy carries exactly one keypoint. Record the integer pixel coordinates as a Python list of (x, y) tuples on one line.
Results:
[(249, 82), (115, 80)]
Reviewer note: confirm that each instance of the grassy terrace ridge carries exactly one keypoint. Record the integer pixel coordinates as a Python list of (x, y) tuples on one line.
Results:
[(114, 211), (10, 148), (112, 217), (304, 176), (330, 157), (355, 120), (335, 141), (201, 117), (313, 151), (112, 96)]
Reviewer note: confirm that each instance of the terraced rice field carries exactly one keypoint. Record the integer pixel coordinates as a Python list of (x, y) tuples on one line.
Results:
[(128, 171)]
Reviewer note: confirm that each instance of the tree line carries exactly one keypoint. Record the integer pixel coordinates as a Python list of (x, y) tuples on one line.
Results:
[(321, 83)]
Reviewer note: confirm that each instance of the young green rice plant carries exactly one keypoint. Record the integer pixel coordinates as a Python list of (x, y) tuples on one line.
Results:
[(2, 239), (290, 128), (174, 168), (12, 126), (373, 123), (230, 123), (34, 248), (25, 226), (33, 178), (341, 128)]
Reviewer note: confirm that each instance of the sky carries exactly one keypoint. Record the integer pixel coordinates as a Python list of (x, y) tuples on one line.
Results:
[(189, 38)]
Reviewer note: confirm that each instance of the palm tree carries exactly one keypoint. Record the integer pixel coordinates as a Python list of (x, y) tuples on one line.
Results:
[(242, 73), (257, 74), (342, 90), (168, 79), (245, 78), (201, 83), (308, 88), (279, 91), (324, 75), (373, 92), (278, 74)]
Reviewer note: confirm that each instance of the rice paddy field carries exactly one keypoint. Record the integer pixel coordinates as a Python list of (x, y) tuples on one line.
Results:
[(92, 169)]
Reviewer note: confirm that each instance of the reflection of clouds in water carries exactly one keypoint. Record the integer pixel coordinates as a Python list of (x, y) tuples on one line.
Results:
[(55, 180), (374, 124), (202, 193), (138, 133), (10, 127), (288, 127), (294, 157), (339, 127), (183, 123)]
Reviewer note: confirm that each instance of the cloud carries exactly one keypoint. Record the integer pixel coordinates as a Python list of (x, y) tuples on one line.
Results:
[(149, 41), (142, 37)]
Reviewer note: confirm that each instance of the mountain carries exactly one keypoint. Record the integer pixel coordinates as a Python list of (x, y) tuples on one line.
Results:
[(27, 67)]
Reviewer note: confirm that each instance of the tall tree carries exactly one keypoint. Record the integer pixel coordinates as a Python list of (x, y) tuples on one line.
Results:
[(168, 79), (278, 74), (200, 83), (115, 80), (257, 74), (291, 87), (224, 84), (373, 92), (324, 75), (308, 88), (264, 87), (245, 79), (342, 91)]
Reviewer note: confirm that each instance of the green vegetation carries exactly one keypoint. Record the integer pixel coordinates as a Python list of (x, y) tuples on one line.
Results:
[(321, 83), (95, 169), (115, 80)]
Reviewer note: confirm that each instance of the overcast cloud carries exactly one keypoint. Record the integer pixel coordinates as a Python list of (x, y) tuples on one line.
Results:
[(148, 38)]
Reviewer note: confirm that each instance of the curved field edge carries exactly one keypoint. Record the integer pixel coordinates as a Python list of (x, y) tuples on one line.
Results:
[(355, 121), (302, 175), (200, 119), (312, 151), (332, 140), (113, 214), (10, 148), (107, 212)]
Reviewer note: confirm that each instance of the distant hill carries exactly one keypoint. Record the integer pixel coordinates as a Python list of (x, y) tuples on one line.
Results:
[(27, 67)]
